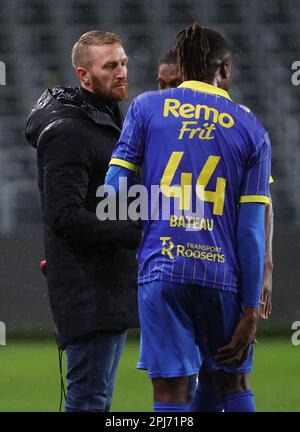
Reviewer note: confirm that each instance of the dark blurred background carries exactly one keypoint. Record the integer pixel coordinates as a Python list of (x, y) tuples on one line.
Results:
[(36, 38)]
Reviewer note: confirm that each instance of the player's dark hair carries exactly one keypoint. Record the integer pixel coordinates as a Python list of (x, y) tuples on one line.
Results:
[(170, 57), (200, 51)]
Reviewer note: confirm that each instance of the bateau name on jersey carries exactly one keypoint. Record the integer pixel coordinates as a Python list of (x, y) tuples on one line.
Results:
[(177, 109)]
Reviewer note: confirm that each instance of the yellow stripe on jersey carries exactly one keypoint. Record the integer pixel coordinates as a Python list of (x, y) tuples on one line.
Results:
[(123, 163), (255, 199), (271, 180), (204, 88)]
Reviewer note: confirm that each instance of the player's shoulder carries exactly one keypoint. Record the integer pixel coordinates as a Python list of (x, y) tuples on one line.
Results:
[(150, 96), (248, 119), (149, 102), (246, 113)]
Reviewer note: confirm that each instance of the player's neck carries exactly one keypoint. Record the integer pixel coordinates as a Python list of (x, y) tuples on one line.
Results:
[(216, 82), (213, 81)]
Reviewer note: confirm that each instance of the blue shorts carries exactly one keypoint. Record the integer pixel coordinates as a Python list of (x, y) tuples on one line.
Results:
[(176, 318)]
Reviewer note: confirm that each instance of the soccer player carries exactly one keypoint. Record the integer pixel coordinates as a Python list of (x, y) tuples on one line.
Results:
[(207, 395), (200, 272), (168, 75)]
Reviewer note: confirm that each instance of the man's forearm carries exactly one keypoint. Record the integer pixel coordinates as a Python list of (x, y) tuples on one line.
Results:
[(251, 248), (83, 226), (266, 295), (269, 237)]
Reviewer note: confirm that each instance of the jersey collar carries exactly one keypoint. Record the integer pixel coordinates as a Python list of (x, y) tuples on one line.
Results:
[(205, 88)]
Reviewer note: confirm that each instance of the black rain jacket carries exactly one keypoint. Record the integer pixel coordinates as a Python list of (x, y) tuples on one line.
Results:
[(91, 265)]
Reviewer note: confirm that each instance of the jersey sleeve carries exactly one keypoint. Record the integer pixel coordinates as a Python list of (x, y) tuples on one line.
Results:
[(255, 185), (129, 150)]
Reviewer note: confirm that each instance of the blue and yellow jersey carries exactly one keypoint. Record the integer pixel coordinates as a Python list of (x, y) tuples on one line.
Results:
[(207, 154)]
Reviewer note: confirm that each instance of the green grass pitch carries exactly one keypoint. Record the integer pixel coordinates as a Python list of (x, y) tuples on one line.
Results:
[(29, 377)]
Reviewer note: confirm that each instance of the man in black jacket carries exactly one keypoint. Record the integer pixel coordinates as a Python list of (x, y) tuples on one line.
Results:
[(90, 264)]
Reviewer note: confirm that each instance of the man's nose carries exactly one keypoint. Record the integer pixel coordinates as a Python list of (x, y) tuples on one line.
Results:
[(122, 72)]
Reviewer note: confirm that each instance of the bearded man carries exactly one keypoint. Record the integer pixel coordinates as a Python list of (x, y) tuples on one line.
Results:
[(90, 263)]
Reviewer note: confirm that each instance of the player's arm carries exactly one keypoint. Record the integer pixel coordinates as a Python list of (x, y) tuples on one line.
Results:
[(128, 153), (115, 174), (254, 194), (266, 294), (251, 251)]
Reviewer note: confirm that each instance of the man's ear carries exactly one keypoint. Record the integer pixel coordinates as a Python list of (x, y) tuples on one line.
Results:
[(83, 75)]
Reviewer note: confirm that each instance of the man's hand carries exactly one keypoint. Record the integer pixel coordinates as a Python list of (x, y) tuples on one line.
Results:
[(266, 293), (244, 335), (266, 290)]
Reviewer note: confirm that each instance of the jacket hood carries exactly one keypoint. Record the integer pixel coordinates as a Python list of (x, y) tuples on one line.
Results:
[(61, 102)]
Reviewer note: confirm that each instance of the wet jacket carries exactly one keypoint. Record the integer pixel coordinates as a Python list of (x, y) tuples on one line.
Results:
[(91, 265)]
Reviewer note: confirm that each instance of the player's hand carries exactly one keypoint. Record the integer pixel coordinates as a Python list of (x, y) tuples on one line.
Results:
[(266, 293), (244, 335)]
